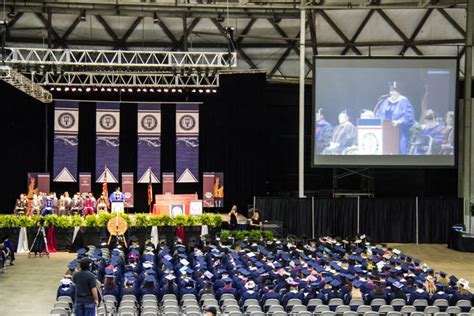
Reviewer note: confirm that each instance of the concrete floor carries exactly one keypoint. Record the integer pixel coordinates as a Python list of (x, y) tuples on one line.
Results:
[(29, 287)]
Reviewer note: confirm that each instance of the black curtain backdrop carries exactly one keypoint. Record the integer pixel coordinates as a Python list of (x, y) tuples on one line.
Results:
[(383, 220)]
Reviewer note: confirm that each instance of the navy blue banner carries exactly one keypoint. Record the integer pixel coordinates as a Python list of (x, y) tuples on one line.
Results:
[(107, 142), (149, 143), (66, 141), (187, 143)]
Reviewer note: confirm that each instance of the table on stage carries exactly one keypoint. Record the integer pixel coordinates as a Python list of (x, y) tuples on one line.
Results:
[(165, 202)]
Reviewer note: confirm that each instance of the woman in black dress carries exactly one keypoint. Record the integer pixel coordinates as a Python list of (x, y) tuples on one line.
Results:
[(233, 218), (255, 221)]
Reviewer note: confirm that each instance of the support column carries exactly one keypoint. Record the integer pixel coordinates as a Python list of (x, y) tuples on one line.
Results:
[(301, 104), (468, 160)]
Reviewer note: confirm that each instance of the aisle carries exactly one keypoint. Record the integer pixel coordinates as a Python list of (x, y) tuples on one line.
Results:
[(29, 287)]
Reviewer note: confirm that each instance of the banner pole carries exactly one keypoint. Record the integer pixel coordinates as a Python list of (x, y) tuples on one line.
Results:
[(416, 221)]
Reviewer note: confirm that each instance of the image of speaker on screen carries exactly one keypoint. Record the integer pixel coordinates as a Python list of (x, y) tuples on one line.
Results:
[(344, 136), (323, 131), (397, 109)]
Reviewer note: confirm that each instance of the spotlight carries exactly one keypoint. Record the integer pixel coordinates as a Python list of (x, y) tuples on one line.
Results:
[(130, 90), (201, 91), (73, 89), (109, 89), (66, 89), (158, 90), (102, 89), (122, 90), (139, 90), (173, 90), (88, 89), (115, 90), (214, 91), (51, 89), (152, 90), (193, 91), (79, 89), (58, 88), (11, 13), (156, 19), (145, 90), (208, 90), (165, 90), (180, 90), (83, 16)]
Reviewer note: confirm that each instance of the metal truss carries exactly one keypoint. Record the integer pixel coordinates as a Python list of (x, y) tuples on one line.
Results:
[(118, 59), (22, 83), (126, 80)]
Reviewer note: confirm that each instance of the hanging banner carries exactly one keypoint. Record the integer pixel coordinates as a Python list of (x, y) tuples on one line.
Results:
[(32, 182), (85, 182), (127, 189), (168, 183), (213, 189), (107, 142), (187, 143), (43, 182), (66, 141), (149, 143)]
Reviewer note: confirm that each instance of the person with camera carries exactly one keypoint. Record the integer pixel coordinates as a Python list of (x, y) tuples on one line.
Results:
[(87, 296)]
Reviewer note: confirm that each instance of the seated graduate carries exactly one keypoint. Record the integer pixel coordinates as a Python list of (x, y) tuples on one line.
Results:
[(228, 288), (248, 292), (66, 288), (149, 286), (377, 292), (419, 293), (462, 293), (292, 292), (130, 287), (344, 135), (269, 294), (439, 294), (21, 205), (431, 137), (397, 292), (447, 146), (110, 287)]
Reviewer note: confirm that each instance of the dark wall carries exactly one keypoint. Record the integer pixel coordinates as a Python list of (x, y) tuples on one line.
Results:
[(248, 130)]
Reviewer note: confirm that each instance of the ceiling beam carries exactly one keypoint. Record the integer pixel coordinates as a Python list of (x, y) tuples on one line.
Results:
[(416, 31), (453, 22), (109, 30), (338, 31), (359, 30), (312, 32), (190, 29), (129, 32), (167, 31), (49, 28), (68, 32), (245, 31), (283, 58)]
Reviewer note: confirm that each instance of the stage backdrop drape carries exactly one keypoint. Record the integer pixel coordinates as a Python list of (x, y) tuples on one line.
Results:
[(383, 220), (149, 143), (66, 141), (107, 142), (187, 143)]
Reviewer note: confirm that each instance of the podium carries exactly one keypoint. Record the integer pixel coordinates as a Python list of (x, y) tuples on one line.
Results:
[(169, 204), (377, 137)]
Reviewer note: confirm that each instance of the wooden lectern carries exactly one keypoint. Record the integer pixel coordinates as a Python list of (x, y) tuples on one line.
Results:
[(377, 137)]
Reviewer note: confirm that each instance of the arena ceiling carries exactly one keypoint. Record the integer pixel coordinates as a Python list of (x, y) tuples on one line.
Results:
[(266, 34)]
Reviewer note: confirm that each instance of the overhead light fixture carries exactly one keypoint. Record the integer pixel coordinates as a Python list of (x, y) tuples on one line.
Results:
[(130, 90), (156, 19), (83, 17), (88, 89), (201, 91), (122, 90), (11, 13), (144, 90), (109, 89), (152, 90), (79, 89), (67, 89), (58, 89), (208, 90), (193, 91), (165, 89), (158, 90), (214, 90), (173, 90)]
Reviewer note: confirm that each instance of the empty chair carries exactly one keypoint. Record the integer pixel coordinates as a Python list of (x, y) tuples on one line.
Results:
[(298, 308), (350, 313), (64, 305), (465, 305), (59, 311), (364, 309), (304, 313), (279, 313), (420, 304), (174, 296), (407, 309), (232, 308), (441, 314), (271, 301), (149, 304), (170, 303), (355, 302), (453, 310), (65, 299), (385, 309), (371, 313), (239, 313), (128, 311), (190, 302), (441, 303), (223, 296), (465, 314), (343, 308), (209, 295), (394, 313), (321, 308), (397, 303), (208, 301), (250, 301), (376, 303), (335, 302), (192, 313), (129, 297), (312, 303), (275, 308), (147, 297), (170, 309), (417, 314), (256, 313), (150, 309), (150, 313), (128, 304), (328, 313), (431, 310)]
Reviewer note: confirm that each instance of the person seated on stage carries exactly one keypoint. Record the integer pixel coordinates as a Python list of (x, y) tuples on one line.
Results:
[(88, 207), (117, 198), (21, 205), (66, 288), (55, 199), (344, 135), (255, 221), (462, 293), (94, 201), (233, 218), (38, 202), (430, 139), (323, 131), (67, 202), (102, 204), (48, 206), (76, 204), (62, 206), (447, 146)]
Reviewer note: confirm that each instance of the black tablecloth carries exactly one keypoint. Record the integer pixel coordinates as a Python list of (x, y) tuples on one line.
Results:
[(461, 241)]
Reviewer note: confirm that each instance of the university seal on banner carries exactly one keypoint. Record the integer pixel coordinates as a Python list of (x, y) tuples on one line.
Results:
[(149, 122), (107, 121), (370, 143), (187, 122), (66, 120)]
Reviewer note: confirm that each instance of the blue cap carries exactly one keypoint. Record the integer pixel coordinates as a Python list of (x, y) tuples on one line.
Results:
[(227, 280), (397, 284), (149, 278), (357, 284), (244, 272), (81, 251), (72, 265), (453, 279), (335, 283)]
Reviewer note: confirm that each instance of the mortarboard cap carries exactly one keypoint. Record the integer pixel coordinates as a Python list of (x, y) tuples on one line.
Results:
[(357, 284), (397, 284), (453, 279), (335, 283)]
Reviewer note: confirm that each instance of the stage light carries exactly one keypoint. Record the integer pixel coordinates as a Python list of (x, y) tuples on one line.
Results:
[(180, 90), (193, 91), (165, 90), (83, 16), (102, 89), (88, 89), (156, 19), (130, 90), (139, 90), (73, 89), (158, 90), (208, 90), (58, 88), (201, 91), (115, 90), (79, 89), (122, 90), (173, 90), (66, 89), (11, 13), (214, 90), (152, 90), (109, 89), (144, 90), (95, 89), (51, 89)]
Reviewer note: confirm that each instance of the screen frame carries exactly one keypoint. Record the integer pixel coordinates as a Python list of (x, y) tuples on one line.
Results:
[(394, 165)]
